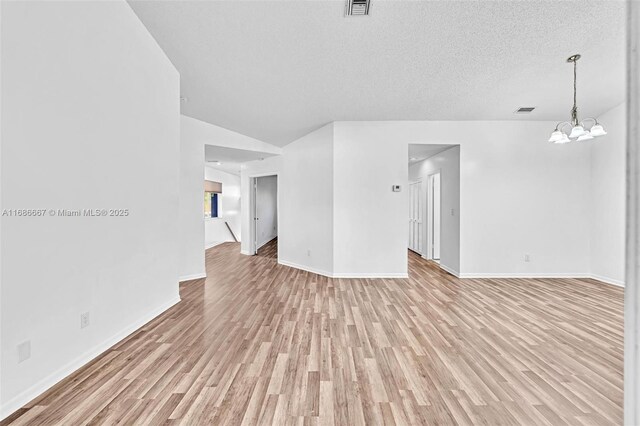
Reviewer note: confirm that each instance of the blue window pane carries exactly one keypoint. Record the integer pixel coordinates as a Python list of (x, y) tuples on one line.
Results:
[(214, 205)]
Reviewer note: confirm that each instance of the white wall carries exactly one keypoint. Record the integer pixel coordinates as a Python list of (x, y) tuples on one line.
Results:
[(197, 132), (608, 198), (87, 97), (191, 209), (268, 166), (370, 228), (632, 231), (519, 195), (208, 134), (228, 208), (305, 201), (305, 236), (267, 209), (448, 164)]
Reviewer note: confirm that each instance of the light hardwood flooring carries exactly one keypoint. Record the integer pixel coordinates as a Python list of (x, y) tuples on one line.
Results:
[(261, 343)]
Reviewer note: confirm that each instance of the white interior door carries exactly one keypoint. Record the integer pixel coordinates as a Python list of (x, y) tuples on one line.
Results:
[(254, 212), (436, 216), (415, 217)]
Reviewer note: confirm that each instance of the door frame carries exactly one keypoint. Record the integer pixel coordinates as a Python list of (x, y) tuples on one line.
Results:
[(253, 181), (428, 201), (421, 206)]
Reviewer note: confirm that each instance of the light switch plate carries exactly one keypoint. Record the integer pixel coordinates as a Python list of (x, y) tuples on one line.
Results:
[(24, 351), (84, 320)]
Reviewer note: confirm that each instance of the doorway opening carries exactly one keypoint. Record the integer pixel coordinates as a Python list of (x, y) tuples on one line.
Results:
[(434, 205), (264, 230)]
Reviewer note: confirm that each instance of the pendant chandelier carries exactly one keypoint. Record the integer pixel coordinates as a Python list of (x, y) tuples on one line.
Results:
[(578, 130)]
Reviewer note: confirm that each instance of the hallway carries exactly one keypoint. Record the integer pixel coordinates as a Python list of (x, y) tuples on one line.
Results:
[(261, 343), (269, 250)]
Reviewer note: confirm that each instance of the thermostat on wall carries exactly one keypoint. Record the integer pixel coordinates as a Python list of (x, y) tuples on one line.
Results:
[(395, 188)]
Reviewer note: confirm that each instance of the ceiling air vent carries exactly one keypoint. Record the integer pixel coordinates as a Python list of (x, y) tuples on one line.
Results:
[(524, 110), (357, 7)]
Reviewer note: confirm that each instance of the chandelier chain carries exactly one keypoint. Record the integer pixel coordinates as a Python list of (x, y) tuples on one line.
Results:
[(578, 130), (574, 110)]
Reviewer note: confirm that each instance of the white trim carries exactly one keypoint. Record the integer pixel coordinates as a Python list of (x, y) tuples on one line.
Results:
[(632, 256), (607, 280), (192, 277), (213, 244), (343, 275), (603, 280), (264, 174), (449, 270), (422, 210), (429, 228), (523, 275), (267, 242), (305, 268), (252, 208), (43, 385), (443, 267), (246, 253), (253, 203), (392, 275)]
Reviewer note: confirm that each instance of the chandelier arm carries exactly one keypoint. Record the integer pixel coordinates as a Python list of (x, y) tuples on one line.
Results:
[(595, 122), (560, 125)]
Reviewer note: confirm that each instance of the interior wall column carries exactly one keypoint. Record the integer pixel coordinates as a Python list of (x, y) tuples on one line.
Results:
[(632, 293)]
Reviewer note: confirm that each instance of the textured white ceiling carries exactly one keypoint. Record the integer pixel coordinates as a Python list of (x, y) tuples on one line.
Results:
[(275, 70)]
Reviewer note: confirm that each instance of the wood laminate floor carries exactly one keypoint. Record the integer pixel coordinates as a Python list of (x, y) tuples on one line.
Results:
[(261, 343), (269, 250)]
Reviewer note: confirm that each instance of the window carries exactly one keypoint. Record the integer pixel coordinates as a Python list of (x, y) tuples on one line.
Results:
[(210, 204), (211, 200)]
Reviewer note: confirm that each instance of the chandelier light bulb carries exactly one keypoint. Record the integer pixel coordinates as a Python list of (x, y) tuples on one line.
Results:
[(576, 132), (564, 139), (598, 130), (556, 136), (585, 137)]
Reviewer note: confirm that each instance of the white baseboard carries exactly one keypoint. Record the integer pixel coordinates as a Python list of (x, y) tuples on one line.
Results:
[(521, 275), (604, 280), (192, 277), (607, 280), (266, 242), (342, 275), (246, 253), (213, 244), (43, 385), (393, 275), (450, 270), (305, 268)]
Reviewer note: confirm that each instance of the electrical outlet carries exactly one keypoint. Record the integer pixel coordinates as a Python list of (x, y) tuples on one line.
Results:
[(24, 351), (527, 258), (84, 320), (308, 252), (453, 212)]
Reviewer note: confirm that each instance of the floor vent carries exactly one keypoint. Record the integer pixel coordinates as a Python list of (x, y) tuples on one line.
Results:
[(357, 7), (524, 110)]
